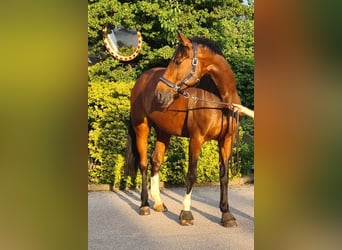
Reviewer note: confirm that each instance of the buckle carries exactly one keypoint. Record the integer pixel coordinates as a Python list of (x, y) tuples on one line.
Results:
[(194, 61)]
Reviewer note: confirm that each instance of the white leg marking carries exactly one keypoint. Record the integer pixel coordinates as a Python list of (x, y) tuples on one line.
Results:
[(187, 202), (155, 189)]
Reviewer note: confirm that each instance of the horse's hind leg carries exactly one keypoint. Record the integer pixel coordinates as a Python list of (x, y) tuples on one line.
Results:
[(142, 131), (156, 161), (227, 220)]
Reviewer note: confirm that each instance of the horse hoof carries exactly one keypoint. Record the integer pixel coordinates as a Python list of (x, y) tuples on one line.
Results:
[(160, 207), (229, 224), (144, 211), (186, 218), (186, 222), (228, 220)]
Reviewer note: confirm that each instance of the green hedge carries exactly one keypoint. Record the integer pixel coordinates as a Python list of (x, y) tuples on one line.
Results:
[(108, 113)]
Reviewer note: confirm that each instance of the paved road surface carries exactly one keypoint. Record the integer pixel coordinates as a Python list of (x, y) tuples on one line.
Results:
[(114, 222)]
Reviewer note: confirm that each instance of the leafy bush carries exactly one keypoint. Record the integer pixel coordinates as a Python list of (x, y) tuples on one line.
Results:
[(175, 165), (108, 114)]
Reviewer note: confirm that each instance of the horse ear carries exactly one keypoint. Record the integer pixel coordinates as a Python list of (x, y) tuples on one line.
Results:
[(184, 40), (178, 33)]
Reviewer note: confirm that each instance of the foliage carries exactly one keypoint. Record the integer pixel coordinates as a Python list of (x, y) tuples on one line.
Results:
[(108, 113), (175, 164), (108, 110), (228, 23), (208, 163)]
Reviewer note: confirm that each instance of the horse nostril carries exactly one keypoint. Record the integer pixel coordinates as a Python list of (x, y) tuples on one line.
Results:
[(163, 97), (159, 96)]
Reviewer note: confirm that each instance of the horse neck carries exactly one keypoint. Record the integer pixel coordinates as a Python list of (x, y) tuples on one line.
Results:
[(223, 76)]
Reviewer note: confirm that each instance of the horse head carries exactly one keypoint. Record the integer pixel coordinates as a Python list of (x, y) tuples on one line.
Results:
[(183, 71)]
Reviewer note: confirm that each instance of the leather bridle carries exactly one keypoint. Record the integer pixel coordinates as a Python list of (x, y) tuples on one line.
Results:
[(177, 87)]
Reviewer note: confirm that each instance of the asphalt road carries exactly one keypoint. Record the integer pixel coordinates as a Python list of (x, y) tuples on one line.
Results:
[(114, 222)]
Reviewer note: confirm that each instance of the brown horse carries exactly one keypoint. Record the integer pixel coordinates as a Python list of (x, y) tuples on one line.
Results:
[(193, 59), (194, 113)]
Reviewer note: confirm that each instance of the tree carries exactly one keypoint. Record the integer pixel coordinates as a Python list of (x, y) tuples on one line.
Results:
[(228, 23)]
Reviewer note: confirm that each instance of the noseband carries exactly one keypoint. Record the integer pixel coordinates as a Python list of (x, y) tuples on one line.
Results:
[(177, 87)]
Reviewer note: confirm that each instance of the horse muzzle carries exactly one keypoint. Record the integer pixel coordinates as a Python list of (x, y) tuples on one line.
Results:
[(164, 97)]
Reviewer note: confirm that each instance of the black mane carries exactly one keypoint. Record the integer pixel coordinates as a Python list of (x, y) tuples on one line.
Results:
[(207, 43)]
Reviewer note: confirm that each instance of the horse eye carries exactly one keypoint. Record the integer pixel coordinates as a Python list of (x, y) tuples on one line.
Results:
[(178, 62)]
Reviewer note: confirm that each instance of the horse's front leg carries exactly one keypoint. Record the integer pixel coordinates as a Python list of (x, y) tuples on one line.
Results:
[(227, 220), (156, 161), (142, 132), (186, 218)]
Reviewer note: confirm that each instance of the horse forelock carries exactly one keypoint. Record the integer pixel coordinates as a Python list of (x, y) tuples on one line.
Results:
[(180, 51)]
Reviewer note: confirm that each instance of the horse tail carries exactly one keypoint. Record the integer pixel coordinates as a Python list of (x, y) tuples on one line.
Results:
[(131, 155)]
